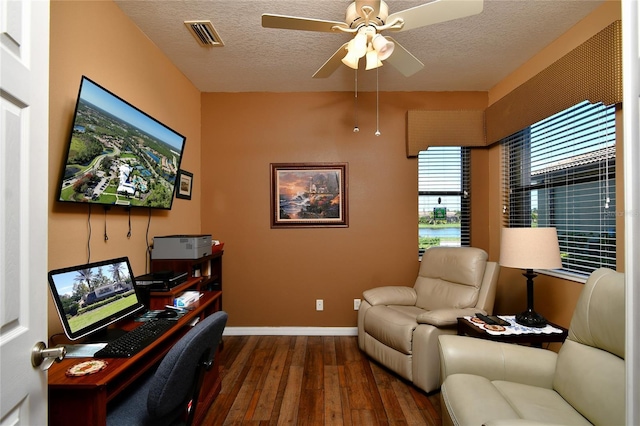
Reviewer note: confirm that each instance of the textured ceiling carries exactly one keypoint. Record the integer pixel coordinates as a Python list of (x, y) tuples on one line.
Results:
[(472, 53)]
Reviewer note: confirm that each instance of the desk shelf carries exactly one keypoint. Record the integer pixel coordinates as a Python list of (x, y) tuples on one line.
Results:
[(204, 274)]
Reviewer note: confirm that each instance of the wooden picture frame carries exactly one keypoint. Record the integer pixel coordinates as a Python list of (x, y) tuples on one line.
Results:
[(309, 195), (185, 184)]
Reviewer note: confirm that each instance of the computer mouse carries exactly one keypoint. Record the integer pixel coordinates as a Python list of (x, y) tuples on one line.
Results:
[(167, 314)]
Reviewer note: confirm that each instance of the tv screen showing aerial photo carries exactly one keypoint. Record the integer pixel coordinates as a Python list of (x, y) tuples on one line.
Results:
[(118, 155)]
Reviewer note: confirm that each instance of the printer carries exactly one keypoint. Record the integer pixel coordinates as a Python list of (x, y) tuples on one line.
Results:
[(181, 247)]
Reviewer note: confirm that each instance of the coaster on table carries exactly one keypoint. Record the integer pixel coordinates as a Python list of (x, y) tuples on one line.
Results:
[(494, 327), (86, 367)]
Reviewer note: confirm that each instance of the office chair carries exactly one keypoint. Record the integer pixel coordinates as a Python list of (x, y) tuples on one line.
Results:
[(163, 398)]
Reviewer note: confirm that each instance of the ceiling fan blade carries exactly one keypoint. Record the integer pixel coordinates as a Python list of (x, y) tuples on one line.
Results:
[(296, 23), (435, 12), (332, 64), (402, 60)]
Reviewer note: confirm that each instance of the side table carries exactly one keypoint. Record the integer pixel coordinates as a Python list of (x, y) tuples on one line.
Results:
[(466, 327)]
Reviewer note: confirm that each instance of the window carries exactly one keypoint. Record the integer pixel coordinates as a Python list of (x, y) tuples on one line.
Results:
[(560, 172), (443, 197)]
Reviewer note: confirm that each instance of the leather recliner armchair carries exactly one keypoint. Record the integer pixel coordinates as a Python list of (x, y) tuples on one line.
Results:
[(399, 326), (491, 383)]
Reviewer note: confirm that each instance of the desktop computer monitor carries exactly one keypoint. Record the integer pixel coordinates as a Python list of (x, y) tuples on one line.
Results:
[(92, 296)]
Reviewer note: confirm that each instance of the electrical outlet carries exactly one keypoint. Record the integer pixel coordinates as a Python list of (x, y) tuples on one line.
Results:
[(356, 304), (319, 305)]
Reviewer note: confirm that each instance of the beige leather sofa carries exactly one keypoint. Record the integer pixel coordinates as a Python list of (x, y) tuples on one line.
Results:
[(399, 326), (491, 383)]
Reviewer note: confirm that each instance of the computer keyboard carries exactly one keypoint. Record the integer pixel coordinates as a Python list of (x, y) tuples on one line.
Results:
[(135, 340)]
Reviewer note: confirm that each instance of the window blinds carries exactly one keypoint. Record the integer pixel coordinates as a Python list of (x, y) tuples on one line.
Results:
[(443, 183), (560, 172)]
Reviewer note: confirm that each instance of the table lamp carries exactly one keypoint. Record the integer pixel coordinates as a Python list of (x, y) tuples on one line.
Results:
[(529, 249)]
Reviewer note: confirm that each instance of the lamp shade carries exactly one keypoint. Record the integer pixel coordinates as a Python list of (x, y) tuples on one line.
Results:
[(530, 248)]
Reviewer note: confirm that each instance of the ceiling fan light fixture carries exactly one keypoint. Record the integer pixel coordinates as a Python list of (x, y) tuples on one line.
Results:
[(359, 46), (382, 46), (367, 19), (373, 60), (351, 59)]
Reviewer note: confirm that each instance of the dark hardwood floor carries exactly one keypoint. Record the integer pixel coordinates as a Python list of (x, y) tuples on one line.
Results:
[(312, 380)]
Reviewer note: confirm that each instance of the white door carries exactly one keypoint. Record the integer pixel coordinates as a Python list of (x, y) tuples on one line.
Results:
[(631, 111), (24, 119)]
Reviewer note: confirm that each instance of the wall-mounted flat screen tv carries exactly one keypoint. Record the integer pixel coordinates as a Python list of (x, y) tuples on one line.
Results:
[(118, 154)]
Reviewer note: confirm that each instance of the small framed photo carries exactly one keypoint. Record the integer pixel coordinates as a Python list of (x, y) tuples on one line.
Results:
[(185, 185), (309, 195)]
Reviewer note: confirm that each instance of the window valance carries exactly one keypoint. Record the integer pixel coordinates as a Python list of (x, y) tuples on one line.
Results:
[(591, 71), (444, 128)]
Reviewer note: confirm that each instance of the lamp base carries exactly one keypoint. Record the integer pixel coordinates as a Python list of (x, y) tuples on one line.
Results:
[(531, 318)]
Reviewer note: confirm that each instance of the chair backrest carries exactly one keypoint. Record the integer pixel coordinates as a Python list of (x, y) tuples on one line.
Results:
[(451, 277), (590, 372), (173, 383)]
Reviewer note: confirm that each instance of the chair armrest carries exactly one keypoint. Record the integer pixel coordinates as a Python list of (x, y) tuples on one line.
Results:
[(496, 360), (446, 317), (391, 295)]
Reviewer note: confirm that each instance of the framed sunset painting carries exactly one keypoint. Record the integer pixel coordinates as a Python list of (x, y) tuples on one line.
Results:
[(309, 195)]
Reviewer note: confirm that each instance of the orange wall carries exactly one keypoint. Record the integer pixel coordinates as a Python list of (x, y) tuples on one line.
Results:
[(273, 276), (94, 38)]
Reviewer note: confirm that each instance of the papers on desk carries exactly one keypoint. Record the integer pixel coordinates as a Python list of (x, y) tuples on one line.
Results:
[(83, 350), (186, 299)]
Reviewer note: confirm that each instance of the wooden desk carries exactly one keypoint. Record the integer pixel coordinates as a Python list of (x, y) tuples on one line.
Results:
[(83, 400), (466, 327)]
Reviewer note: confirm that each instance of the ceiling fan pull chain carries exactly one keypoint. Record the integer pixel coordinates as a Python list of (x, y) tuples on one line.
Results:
[(355, 117), (377, 105)]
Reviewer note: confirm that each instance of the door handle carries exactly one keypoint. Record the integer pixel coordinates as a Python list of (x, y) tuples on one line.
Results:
[(44, 357)]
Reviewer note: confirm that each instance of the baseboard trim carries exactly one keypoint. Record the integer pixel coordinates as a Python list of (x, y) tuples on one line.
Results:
[(290, 331)]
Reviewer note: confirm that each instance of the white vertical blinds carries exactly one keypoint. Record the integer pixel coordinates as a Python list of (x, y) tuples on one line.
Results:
[(443, 182), (560, 172)]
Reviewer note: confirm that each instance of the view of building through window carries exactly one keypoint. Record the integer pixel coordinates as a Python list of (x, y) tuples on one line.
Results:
[(443, 197)]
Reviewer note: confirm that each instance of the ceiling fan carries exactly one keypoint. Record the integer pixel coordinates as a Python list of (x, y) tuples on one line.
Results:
[(367, 19)]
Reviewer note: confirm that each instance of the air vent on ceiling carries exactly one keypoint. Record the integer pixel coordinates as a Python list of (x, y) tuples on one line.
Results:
[(204, 33)]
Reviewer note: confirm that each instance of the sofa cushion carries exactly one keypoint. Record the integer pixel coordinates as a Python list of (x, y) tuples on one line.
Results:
[(594, 385), (539, 404), (450, 277), (599, 318), (474, 400), (392, 325)]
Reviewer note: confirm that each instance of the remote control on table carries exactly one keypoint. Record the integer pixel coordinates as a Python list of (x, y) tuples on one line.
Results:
[(493, 319)]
